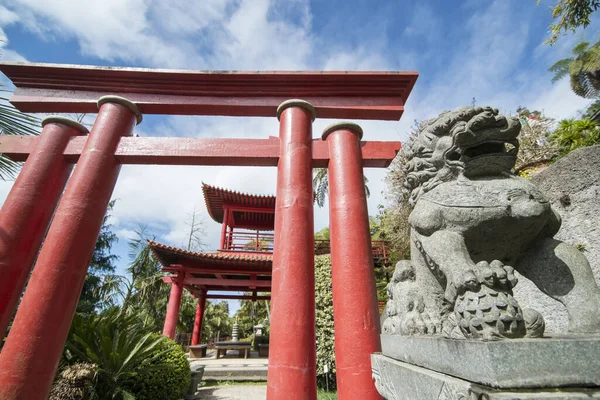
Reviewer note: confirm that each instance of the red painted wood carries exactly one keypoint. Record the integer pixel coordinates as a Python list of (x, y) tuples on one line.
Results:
[(27, 212), (355, 310), (36, 340), (343, 94), (197, 332), (172, 315), (247, 283), (224, 227), (236, 297), (292, 358), (195, 151)]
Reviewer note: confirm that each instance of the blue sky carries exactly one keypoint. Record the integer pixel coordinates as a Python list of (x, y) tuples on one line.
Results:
[(492, 51)]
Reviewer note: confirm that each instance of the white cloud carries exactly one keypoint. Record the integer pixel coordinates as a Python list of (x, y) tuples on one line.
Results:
[(491, 62)]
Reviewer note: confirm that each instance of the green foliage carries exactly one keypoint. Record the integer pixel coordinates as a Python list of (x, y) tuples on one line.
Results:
[(251, 313), (324, 320), (572, 134), (102, 263), (14, 122), (216, 321), (321, 186), (117, 345), (591, 110), (323, 395), (571, 14), (583, 69), (165, 377)]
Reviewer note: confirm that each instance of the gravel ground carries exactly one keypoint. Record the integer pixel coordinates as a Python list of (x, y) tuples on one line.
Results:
[(233, 392)]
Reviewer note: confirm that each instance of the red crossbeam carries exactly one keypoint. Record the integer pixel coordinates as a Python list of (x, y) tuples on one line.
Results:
[(195, 151), (56, 88), (236, 297), (247, 283)]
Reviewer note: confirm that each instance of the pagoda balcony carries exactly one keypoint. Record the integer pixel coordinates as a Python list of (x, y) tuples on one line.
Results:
[(262, 242)]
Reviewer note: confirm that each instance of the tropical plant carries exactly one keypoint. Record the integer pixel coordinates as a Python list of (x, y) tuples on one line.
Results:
[(164, 377), (250, 314), (102, 263), (117, 345), (571, 14), (14, 122), (583, 69), (324, 321), (216, 321), (572, 134), (321, 186)]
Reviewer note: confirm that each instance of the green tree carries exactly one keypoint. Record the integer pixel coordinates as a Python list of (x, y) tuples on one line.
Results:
[(250, 314), (583, 69), (324, 321), (568, 15), (102, 263), (14, 122), (321, 186), (591, 110), (216, 321), (572, 134)]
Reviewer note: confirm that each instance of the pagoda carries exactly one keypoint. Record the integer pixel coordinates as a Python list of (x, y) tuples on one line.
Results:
[(241, 267)]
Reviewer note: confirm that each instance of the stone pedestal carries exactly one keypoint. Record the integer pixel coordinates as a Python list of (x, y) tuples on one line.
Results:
[(426, 368)]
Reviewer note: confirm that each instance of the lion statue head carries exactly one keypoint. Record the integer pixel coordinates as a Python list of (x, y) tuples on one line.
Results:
[(469, 142)]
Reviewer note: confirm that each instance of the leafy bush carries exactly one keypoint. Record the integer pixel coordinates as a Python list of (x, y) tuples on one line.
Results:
[(165, 377), (117, 345), (573, 134), (324, 320)]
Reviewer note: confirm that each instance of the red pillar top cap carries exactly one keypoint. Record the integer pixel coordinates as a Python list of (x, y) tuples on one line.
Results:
[(351, 126), (124, 102), (57, 119), (297, 103)]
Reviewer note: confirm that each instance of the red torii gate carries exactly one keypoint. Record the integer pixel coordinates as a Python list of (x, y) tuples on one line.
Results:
[(29, 358)]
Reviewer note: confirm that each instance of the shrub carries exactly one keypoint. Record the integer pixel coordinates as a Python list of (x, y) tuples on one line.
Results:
[(116, 344), (165, 377), (324, 320)]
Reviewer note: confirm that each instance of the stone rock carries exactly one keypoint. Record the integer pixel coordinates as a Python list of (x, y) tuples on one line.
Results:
[(396, 380), (504, 364), (572, 185)]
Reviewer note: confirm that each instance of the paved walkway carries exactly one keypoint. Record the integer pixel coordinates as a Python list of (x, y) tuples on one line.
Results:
[(233, 392), (232, 368)]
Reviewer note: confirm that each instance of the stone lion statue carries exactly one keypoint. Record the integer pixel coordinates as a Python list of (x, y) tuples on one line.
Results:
[(473, 224)]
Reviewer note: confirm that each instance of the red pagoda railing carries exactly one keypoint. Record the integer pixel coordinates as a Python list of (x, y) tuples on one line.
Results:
[(262, 242)]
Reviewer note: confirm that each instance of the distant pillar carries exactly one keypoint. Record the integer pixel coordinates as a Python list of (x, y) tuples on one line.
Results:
[(292, 355), (28, 209), (224, 242), (197, 333), (172, 315), (355, 310), (33, 348)]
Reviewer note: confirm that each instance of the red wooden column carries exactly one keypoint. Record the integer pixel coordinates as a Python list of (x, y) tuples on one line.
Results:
[(224, 241), (33, 348), (197, 333), (292, 369), (355, 309), (28, 209), (172, 315)]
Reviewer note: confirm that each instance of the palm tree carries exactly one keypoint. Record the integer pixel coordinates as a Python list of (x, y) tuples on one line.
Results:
[(14, 122), (321, 186), (583, 69)]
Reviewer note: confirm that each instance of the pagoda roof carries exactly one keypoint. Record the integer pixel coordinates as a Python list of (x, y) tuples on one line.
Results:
[(217, 260), (216, 271), (249, 211)]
